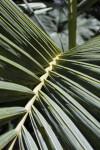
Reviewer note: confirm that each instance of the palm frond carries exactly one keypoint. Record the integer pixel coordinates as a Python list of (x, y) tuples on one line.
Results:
[(55, 24), (51, 99), (34, 8), (85, 5)]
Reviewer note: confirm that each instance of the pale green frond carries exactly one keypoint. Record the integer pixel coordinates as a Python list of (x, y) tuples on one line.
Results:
[(78, 73), (9, 113), (73, 102), (89, 44), (7, 137), (15, 53), (21, 144), (75, 137), (52, 140), (38, 134), (22, 75), (74, 86), (37, 7), (27, 25), (28, 140), (12, 92)]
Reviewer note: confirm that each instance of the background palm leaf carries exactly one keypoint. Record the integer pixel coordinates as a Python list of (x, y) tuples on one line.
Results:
[(55, 22), (50, 99)]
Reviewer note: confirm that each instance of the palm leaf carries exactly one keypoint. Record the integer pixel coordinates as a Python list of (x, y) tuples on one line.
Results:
[(51, 99), (7, 137), (85, 5), (55, 24), (29, 142), (38, 7)]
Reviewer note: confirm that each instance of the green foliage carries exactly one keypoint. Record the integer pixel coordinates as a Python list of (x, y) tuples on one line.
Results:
[(51, 99), (85, 5), (55, 23)]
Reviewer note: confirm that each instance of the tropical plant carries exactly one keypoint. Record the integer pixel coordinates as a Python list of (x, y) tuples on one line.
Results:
[(48, 99), (35, 8), (55, 22)]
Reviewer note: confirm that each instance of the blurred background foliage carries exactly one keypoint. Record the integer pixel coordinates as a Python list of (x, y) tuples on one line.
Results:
[(52, 17)]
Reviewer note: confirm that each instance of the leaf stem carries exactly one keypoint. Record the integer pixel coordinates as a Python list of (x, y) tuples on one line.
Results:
[(12, 144), (36, 90), (72, 17)]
